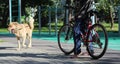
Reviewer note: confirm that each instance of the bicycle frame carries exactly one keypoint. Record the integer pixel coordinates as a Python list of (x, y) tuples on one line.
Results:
[(89, 36), (85, 40), (83, 36), (90, 24)]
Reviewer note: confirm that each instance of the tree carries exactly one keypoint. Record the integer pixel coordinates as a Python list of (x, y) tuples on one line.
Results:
[(107, 6), (35, 3), (3, 12), (4, 8)]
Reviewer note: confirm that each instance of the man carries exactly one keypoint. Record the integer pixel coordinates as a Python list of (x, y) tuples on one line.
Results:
[(81, 9)]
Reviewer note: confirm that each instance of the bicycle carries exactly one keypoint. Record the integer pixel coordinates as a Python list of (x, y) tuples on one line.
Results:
[(95, 34)]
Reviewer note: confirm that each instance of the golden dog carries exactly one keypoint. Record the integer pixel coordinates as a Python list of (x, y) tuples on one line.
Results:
[(22, 31)]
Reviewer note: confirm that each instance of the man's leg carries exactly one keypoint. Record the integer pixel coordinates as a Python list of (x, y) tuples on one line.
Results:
[(76, 37), (77, 44), (91, 44)]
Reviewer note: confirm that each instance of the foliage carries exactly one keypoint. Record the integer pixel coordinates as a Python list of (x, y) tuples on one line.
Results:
[(106, 5), (3, 12), (103, 7), (37, 2), (4, 8)]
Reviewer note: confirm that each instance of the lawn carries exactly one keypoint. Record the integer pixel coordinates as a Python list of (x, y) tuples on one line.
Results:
[(107, 26), (46, 29)]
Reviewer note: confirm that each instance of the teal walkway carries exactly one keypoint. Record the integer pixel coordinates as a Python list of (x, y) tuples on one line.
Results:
[(113, 39)]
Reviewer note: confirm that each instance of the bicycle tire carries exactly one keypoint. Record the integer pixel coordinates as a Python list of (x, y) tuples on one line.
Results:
[(65, 39), (103, 40)]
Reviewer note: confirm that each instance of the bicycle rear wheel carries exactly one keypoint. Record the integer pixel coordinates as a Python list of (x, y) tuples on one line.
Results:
[(97, 41), (65, 39)]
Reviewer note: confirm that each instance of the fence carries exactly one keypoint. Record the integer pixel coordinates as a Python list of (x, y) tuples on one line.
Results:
[(52, 12)]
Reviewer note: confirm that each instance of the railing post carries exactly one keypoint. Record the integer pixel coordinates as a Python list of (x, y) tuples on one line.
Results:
[(19, 11), (56, 19), (10, 10), (119, 20), (49, 13), (39, 18)]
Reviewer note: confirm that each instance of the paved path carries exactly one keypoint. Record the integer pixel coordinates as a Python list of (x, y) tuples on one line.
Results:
[(47, 52)]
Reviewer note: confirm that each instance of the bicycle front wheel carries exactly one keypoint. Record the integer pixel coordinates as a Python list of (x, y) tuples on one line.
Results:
[(65, 39), (97, 41)]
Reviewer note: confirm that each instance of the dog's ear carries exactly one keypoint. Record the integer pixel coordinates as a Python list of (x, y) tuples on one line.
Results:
[(15, 23)]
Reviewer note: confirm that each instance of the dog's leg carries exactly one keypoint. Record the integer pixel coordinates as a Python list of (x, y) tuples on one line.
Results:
[(23, 42), (30, 42), (19, 46)]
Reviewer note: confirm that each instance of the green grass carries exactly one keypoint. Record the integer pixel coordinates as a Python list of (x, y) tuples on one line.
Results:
[(3, 30), (46, 29), (114, 29)]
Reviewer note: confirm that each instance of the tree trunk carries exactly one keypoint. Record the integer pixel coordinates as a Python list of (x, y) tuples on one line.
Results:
[(111, 16)]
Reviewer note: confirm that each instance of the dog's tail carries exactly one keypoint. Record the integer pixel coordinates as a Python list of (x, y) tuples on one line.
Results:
[(31, 22)]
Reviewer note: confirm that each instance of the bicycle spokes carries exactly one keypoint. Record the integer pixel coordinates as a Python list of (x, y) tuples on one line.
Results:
[(65, 39), (97, 41)]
